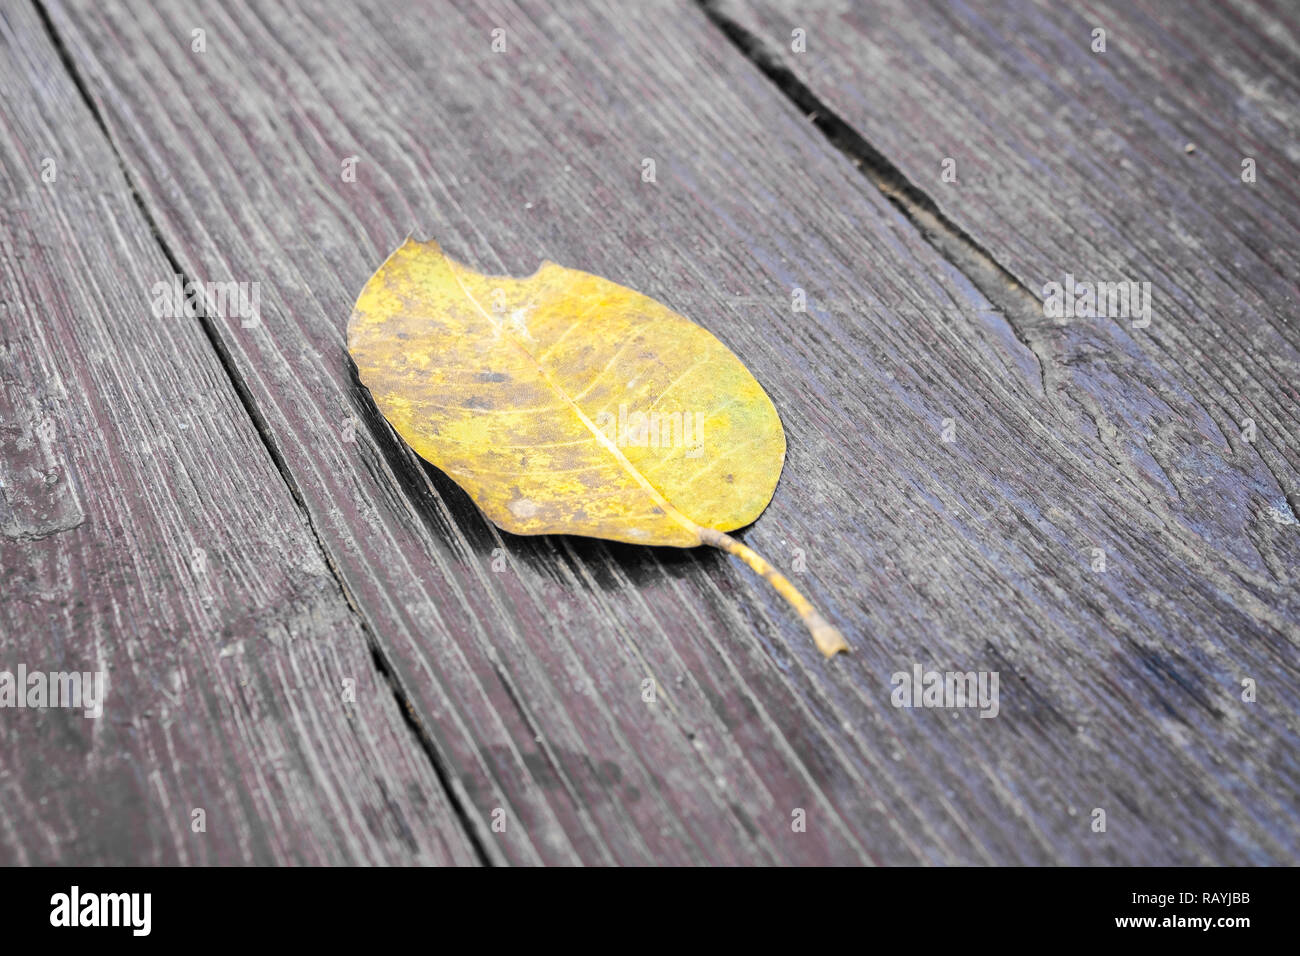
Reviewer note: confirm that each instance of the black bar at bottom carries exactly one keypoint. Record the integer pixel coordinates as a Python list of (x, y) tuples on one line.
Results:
[(334, 907)]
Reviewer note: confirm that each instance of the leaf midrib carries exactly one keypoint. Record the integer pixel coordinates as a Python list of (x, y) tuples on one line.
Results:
[(668, 509)]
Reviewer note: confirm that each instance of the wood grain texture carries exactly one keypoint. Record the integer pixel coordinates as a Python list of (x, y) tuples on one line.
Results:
[(1120, 689), (1117, 165), (146, 533), (1123, 163)]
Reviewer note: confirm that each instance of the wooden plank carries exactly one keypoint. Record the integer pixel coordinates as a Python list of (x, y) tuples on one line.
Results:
[(146, 534), (1119, 689), (1122, 164)]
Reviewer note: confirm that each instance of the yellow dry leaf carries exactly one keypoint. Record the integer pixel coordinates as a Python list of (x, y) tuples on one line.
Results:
[(564, 403)]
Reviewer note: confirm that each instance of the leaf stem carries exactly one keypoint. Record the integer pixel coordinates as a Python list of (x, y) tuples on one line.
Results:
[(829, 640)]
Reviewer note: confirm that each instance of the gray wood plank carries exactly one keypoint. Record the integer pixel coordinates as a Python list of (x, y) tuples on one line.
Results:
[(1119, 688), (1122, 164), (146, 534)]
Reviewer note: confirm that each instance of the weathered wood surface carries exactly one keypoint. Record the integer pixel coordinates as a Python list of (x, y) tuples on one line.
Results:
[(1074, 161), (1120, 689), (1170, 156), (146, 533)]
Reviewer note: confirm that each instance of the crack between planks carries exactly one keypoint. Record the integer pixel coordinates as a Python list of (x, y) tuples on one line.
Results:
[(1020, 307), (383, 666)]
